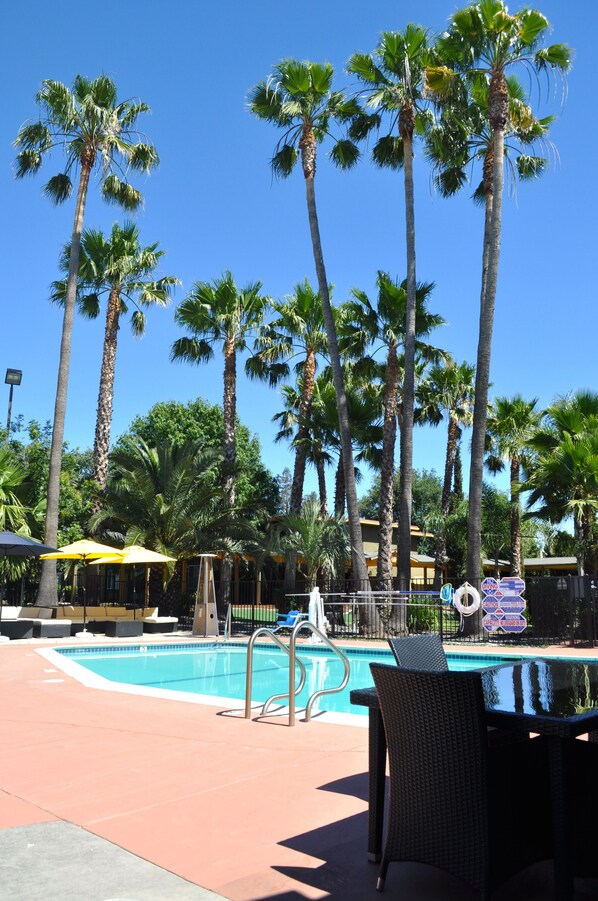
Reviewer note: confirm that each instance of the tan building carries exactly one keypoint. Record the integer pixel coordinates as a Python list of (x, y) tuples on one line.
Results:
[(422, 566)]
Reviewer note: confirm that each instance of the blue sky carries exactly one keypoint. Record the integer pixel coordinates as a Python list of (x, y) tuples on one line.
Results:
[(212, 204)]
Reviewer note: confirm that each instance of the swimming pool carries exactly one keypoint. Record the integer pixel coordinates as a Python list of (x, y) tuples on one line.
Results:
[(218, 670)]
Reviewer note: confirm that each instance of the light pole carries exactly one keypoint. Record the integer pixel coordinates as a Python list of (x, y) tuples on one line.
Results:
[(13, 377)]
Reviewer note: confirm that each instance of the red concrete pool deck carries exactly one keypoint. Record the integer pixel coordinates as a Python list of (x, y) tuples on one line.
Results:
[(248, 809)]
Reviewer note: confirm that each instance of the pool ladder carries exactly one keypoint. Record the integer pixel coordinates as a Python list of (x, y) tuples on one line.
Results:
[(290, 649)]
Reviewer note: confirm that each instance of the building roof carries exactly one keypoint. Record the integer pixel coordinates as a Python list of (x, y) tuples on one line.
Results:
[(550, 562), (415, 530)]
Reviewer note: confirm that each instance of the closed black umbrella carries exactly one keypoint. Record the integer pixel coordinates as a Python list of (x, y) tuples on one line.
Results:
[(13, 545)]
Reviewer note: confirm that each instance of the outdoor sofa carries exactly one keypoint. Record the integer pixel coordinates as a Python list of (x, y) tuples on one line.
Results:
[(101, 618), (116, 622), (32, 622)]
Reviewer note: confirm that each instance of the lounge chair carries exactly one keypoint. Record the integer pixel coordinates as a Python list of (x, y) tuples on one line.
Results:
[(155, 623), (288, 620)]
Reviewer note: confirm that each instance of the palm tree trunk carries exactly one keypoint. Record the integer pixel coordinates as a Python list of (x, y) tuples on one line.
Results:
[(445, 503), (457, 473), (406, 481), (106, 393), (229, 405), (301, 448), (360, 571), (498, 106), (322, 486), (47, 595), (229, 448), (307, 393), (389, 433), (515, 520), (339, 487)]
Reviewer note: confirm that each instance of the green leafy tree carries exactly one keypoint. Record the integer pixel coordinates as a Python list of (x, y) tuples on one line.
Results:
[(120, 268), (511, 423), (78, 492), (177, 424), (97, 132), (563, 476), (321, 543), (14, 513), (393, 78), (485, 40), (168, 498), (298, 98)]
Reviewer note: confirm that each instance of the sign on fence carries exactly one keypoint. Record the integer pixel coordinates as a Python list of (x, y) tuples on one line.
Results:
[(503, 604)]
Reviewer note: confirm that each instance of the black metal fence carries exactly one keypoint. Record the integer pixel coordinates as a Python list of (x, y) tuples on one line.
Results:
[(558, 609)]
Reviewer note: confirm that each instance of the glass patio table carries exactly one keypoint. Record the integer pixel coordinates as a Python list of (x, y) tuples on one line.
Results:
[(556, 698)]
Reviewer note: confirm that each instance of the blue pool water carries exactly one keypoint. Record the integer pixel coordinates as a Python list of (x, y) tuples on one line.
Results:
[(219, 670)]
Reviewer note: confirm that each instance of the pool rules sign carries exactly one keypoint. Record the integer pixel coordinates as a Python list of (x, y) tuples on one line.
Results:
[(503, 604)]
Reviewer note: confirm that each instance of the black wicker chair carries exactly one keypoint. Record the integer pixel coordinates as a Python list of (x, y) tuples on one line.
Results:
[(425, 653), (451, 800), (420, 652)]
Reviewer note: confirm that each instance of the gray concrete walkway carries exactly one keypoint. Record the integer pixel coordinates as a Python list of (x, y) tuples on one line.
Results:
[(58, 861)]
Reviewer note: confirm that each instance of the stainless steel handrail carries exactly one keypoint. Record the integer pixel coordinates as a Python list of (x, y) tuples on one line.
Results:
[(323, 691), (294, 690), (288, 649)]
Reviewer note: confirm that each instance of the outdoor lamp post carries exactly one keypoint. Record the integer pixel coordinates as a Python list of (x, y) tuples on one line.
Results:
[(13, 377)]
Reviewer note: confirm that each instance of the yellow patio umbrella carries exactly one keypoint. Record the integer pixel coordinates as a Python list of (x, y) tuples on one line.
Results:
[(135, 554), (85, 551)]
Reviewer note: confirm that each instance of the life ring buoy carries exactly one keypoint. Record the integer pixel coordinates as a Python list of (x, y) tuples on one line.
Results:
[(466, 609)]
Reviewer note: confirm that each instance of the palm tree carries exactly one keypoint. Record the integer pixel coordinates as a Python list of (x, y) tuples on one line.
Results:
[(168, 499), (315, 435), (97, 132), (121, 268), (383, 326), (297, 330), (220, 313), (322, 543), (299, 99), (452, 390), (393, 79), (563, 476), (14, 512), (510, 425), (484, 40)]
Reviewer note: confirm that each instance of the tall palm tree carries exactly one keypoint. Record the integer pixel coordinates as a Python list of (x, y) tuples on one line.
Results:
[(368, 328), (219, 313), (121, 268), (97, 132), (299, 99), (452, 390), (485, 40), (296, 331), (510, 425), (393, 78)]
